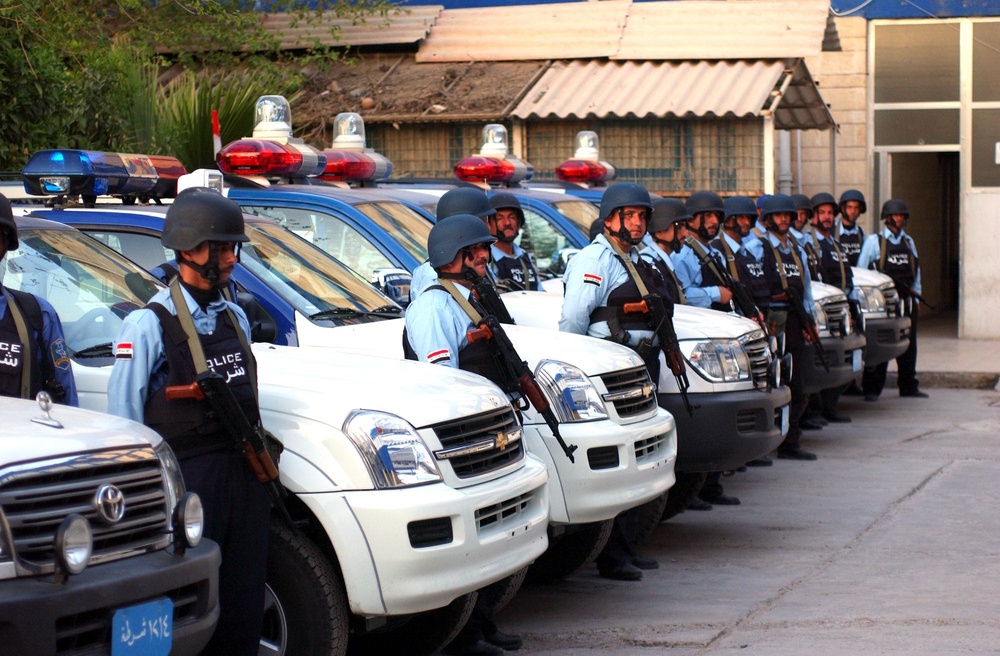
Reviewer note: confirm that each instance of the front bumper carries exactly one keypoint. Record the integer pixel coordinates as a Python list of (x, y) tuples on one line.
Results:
[(39, 616), (886, 338), (845, 357), (617, 466), (728, 429), (496, 528)]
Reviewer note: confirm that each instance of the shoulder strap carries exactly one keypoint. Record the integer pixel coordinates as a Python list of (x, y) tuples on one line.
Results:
[(17, 312), (450, 287), (169, 272), (882, 248), (29, 305)]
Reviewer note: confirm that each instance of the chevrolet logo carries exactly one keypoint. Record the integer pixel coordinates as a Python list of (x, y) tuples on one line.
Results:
[(503, 440)]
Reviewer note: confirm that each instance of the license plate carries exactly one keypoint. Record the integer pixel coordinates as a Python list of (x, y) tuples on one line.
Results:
[(856, 361), (143, 629), (784, 420)]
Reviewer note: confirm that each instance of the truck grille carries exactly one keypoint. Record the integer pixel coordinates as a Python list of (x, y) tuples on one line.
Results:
[(36, 500), (759, 353), (838, 318), (892, 309), (482, 430), (627, 392), (649, 448), (504, 512)]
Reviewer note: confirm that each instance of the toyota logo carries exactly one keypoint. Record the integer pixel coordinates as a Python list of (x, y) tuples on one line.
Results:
[(109, 503)]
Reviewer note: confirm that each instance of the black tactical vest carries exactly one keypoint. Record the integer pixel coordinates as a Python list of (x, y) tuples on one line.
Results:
[(851, 244), (899, 263), (13, 354), (793, 275), (186, 424), (830, 257), (748, 271), (517, 272)]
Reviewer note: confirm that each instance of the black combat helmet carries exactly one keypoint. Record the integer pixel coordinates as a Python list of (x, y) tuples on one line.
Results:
[(895, 206), (739, 206), (802, 202), (777, 204), (504, 200), (666, 212), (464, 200), (705, 201), (199, 214), (853, 194), (624, 194), (824, 198), (450, 235)]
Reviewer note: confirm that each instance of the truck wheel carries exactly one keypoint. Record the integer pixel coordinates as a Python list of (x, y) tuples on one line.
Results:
[(650, 516), (419, 635), (684, 489), (570, 552), (306, 611), (497, 595)]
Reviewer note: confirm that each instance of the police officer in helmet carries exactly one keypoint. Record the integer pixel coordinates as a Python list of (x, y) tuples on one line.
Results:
[(850, 235), (893, 252), (599, 281), (512, 266), (697, 263), (33, 353), (205, 230), (666, 231)]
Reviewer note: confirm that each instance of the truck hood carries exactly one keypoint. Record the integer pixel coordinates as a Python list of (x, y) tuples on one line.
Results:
[(385, 338), (542, 310), (22, 439), (824, 292), (326, 385), (869, 278)]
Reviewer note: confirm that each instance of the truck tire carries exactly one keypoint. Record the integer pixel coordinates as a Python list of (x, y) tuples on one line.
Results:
[(570, 552), (497, 595), (650, 516), (684, 489), (418, 635), (306, 611)]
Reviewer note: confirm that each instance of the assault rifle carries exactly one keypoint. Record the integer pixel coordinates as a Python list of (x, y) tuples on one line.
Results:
[(212, 387), (663, 326), (912, 294), (489, 328), (486, 294), (741, 297), (808, 324)]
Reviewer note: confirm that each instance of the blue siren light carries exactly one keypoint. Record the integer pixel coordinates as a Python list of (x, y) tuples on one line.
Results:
[(86, 173)]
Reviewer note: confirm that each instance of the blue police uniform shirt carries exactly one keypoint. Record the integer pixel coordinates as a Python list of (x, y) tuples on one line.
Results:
[(436, 325), (786, 254), (591, 275), (423, 277), (841, 229), (687, 266), (871, 252), (753, 246), (140, 362), (54, 348), (758, 231)]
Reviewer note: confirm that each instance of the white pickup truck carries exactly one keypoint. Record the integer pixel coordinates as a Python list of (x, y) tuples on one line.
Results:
[(412, 482), (92, 559)]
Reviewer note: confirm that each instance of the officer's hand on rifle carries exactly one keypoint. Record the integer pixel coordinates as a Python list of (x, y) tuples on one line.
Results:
[(725, 295)]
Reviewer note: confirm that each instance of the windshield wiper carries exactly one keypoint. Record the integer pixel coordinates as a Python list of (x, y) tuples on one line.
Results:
[(386, 311), (96, 351)]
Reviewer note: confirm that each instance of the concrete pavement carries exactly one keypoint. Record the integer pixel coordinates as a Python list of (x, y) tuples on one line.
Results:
[(886, 545)]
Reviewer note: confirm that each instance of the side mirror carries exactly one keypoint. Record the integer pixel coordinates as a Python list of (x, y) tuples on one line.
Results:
[(262, 325)]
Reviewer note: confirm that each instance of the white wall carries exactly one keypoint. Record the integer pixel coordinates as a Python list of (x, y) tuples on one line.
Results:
[(979, 285)]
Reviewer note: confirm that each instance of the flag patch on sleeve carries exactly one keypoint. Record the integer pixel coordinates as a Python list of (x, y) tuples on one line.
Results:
[(592, 279), (123, 351), (442, 355)]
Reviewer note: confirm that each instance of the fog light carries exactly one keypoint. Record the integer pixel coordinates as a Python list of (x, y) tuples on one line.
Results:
[(189, 522), (74, 544)]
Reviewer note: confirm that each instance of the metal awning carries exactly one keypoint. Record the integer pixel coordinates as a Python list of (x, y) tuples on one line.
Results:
[(601, 89), (398, 27)]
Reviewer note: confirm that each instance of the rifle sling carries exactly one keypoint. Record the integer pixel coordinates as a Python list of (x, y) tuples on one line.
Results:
[(27, 343)]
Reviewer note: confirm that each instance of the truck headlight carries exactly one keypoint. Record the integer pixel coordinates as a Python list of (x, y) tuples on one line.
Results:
[(172, 476), (871, 299), (571, 394), (718, 360), (820, 314), (391, 448)]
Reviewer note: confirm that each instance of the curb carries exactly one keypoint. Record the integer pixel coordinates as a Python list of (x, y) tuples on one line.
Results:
[(953, 380)]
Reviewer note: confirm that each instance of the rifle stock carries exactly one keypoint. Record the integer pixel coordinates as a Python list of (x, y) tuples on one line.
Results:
[(664, 329)]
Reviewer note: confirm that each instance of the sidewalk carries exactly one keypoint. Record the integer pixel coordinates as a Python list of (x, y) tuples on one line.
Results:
[(943, 360)]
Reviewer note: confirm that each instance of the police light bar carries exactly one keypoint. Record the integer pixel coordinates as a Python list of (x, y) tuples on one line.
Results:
[(349, 159), (70, 172), (493, 164), (586, 167)]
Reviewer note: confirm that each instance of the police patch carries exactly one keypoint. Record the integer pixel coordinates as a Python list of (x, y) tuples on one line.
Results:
[(123, 351), (442, 355), (592, 279), (60, 356)]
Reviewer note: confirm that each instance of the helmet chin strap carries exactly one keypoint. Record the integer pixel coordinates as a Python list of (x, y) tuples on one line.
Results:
[(210, 270), (623, 234)]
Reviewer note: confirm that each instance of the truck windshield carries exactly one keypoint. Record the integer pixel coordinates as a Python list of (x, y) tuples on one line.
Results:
[(90, 286), (405, 225), (307, 277), (580, 212)]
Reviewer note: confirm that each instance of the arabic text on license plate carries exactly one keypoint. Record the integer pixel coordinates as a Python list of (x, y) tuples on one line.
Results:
[(856, 361), (143, 630)]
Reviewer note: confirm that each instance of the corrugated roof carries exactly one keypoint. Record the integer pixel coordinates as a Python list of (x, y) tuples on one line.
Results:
[(620, 29), (678, 89), (407, 25), (715, 29), (573, 30)]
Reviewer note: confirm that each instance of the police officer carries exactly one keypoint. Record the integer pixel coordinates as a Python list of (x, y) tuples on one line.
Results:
[(893, 252), (33, 353), (461, 200), (666, 231), (437, 325), (833, 269), (698, 262), (849, 233), (600, 279), (183, 328), (512, 266), (799, 231), (742, 251), (788, 281)]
